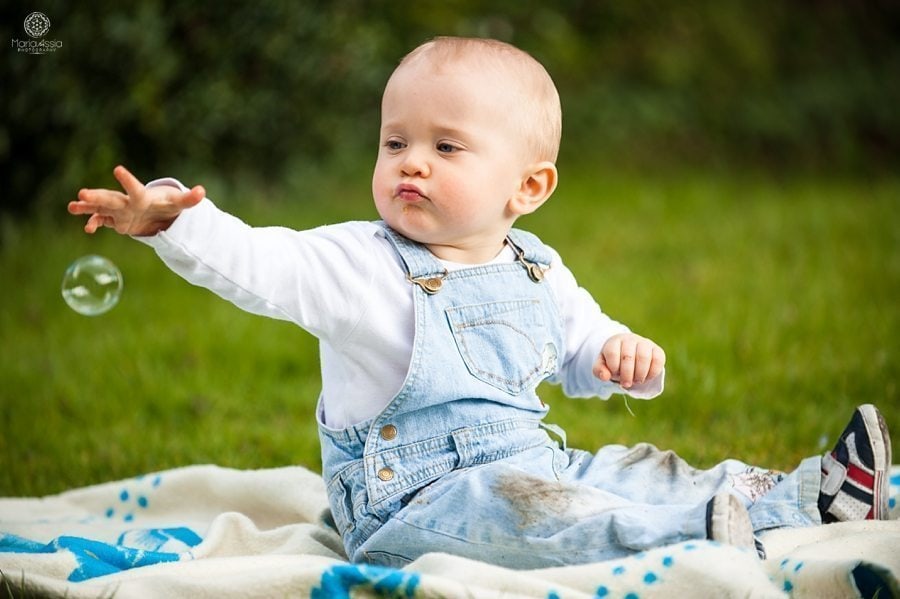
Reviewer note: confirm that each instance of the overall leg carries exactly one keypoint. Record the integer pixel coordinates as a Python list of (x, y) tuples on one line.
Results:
[(645, 474), (547, 507), (518, 513)]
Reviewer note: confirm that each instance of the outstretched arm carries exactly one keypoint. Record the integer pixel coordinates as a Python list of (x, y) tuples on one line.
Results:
[(139, 211)]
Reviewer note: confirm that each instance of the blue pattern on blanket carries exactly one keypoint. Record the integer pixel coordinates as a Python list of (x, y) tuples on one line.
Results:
[(94, 558), (133, 498), (133, 548), (338, 581), (179, 538)]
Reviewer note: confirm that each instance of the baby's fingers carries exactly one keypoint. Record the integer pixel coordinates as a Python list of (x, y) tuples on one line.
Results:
[(96, 200), (190, 198), (96, 221), (658, 364), (601, 371), (649, 361), (627, 360), (643, 358), (129, 182)]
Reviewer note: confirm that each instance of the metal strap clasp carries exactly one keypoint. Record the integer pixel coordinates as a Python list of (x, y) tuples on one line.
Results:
[(430, 285), (535, 272)]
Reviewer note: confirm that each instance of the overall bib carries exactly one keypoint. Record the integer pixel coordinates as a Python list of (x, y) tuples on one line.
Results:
[(460, 462)]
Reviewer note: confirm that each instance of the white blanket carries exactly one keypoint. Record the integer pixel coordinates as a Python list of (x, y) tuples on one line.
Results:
[(210, 531)]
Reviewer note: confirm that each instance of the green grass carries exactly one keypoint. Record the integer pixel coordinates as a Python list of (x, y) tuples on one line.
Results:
[(776, 300)]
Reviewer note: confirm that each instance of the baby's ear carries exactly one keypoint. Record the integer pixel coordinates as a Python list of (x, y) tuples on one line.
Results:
[(537, 185)]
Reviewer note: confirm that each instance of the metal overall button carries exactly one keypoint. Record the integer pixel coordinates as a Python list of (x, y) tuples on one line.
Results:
[(388, 432), (386, 474), (535, 272), (431, 285)]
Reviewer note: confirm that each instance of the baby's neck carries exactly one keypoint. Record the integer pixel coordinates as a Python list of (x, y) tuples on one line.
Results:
[(467, 255)]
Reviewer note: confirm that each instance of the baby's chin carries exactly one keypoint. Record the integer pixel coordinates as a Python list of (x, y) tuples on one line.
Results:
[(408, 230)]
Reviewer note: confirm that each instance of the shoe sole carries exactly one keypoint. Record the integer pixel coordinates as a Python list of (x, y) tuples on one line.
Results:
[(727, 521), (880, 439)]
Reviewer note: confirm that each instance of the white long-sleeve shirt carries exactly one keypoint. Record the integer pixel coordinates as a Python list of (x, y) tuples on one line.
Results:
[(345, 284)]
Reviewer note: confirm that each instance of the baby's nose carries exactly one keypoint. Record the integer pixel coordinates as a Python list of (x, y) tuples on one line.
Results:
[(415, 164)]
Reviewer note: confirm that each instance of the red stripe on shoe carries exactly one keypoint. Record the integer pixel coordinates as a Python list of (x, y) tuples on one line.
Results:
[(860, 477)]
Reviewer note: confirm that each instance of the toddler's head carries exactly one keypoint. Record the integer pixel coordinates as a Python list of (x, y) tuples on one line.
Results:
[(469, 135), (530, 101)]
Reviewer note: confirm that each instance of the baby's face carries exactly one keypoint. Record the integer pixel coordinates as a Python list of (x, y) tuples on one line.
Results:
[(449, 160)]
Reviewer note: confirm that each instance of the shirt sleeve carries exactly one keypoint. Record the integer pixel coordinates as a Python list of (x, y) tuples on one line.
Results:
[(315, 279), (587, 328)]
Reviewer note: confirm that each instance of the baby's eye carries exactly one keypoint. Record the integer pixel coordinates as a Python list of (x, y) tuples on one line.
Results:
[(446, 148), (394, 145)]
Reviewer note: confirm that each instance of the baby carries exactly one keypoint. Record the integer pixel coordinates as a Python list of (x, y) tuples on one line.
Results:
[(436, 325)]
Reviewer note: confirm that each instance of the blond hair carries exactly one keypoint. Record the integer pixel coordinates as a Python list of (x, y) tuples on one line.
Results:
[(538, 112)]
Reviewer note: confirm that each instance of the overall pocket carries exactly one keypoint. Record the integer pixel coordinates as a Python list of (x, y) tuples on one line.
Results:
[(504, 344)]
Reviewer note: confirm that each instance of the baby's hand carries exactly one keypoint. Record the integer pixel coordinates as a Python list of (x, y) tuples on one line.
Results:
[(629, 359), (139, 211)]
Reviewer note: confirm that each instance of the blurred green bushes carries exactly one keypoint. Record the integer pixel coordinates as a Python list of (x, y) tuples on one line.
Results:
[(256, 89)]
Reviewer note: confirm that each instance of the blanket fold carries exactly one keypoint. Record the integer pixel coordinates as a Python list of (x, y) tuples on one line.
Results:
[(210, 531)]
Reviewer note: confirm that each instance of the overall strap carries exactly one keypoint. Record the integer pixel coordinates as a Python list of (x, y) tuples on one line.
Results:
[(422, 268), (532, 253), (531, 247), (418, 260)]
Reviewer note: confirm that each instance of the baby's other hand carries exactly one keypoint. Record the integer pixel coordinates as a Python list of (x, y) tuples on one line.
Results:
[(139, 211), (629, 359)]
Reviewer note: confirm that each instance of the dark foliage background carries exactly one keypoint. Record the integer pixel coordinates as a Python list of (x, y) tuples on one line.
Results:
[(255, 90)]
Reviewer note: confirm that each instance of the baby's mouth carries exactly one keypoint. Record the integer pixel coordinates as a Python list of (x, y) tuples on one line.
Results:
[(409, 193)]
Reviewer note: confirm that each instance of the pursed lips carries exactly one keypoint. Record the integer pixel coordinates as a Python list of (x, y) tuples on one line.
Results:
[(409, 193)]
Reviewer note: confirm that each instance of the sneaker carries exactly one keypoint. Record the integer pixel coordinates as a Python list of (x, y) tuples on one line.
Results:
[(728, 521), (854, 475)]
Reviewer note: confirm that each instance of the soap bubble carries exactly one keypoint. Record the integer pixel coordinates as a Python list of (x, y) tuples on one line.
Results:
[(92, 285)]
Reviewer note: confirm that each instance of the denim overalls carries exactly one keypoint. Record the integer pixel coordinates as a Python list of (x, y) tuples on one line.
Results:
[(459, 462)]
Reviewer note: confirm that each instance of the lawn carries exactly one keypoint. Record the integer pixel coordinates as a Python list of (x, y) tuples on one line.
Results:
[(776, 299)]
